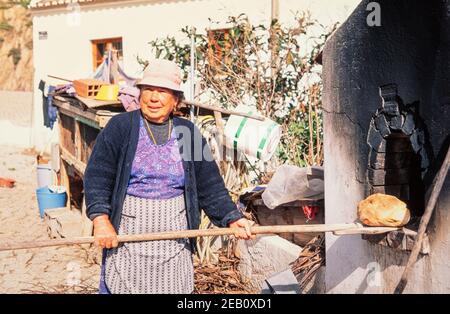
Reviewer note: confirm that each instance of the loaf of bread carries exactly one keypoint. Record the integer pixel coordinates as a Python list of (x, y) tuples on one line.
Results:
[(381, 210)]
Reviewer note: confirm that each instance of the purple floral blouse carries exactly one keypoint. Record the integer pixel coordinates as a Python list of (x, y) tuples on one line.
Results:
[(157, 170)]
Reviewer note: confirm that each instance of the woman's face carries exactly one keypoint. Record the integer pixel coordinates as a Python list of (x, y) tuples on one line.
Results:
[(157, 103)]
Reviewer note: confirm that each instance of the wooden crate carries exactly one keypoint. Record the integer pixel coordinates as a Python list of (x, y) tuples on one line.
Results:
[(67, 133), (88, 137), (87, 87)]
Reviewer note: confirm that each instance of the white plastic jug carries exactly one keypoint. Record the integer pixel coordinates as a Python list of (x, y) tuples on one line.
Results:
[(44, 175), (255, 138)]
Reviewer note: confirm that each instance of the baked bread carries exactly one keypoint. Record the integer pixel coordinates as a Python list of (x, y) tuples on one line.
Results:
[(381, 210)]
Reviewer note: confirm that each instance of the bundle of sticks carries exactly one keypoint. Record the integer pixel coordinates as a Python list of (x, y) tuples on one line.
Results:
[(223, 278), (311, 258)]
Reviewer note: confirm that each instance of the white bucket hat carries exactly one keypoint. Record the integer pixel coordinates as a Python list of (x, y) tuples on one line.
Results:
[(162, 73)]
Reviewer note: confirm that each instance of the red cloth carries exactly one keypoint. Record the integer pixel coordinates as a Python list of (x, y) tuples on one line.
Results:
[(310, 211)]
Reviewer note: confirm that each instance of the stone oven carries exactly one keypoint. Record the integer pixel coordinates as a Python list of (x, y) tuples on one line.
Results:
[(386, 109)]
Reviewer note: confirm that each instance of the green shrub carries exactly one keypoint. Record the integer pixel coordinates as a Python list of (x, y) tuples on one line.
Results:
[(273, 84)]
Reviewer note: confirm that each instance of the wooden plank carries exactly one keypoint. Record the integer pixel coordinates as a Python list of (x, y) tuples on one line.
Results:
[(78, 140), (92, 124), (73, 111), (67, 134), (60, 128), (94, 103), (364, 230), (72, 161), (103, 117), (64, 177), (103, 121), (220, 130), (93, 118), (89, 137), (225, 111)]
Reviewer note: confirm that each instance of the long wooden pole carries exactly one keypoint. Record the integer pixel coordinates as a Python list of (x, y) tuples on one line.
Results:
[(170, 235), (60, 78), (437, 184), (226, 111)]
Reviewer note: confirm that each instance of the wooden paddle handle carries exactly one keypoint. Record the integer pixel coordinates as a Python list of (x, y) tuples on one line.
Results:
[(170, 235), (222, 110)]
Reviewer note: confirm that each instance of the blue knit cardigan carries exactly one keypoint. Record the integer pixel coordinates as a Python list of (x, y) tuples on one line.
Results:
[(109, 167)]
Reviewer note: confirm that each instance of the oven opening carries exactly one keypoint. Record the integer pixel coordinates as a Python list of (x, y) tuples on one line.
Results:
[(397, 162), (402, 173)]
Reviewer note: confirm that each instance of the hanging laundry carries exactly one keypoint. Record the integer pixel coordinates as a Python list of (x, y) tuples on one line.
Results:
[(128, 79), (49, 111), (67, 89), (111, 72), (103, 73), (129, 97)]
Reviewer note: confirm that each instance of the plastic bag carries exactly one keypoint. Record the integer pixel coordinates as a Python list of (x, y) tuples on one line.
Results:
[(291, 183)]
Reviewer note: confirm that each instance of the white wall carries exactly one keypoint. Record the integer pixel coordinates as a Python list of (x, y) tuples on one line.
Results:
[(67, 50), (326, 12), (15, 118)]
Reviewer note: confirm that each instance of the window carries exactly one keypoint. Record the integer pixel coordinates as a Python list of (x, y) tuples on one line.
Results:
[(101, 46), (219, 48)]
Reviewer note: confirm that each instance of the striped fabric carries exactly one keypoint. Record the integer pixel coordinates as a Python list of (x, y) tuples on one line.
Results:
[(165, 266)]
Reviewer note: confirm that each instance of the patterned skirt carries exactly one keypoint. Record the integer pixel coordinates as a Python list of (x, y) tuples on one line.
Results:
[(153, 266)]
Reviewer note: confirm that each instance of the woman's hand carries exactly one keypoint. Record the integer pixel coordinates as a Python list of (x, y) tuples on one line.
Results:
[(243, 228), (105, 235)]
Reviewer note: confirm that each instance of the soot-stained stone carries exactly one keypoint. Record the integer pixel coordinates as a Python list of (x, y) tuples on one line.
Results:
[(382, 125), (408, 125), (388, 176), (396, 122), (414, 138), (374, 138)]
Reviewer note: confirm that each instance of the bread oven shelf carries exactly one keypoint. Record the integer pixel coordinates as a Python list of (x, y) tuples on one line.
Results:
[(400, 240)]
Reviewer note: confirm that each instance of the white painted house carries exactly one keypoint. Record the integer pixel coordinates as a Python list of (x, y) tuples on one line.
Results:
[(69, 35)]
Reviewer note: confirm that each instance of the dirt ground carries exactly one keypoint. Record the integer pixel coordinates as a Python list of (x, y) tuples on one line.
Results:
[(69, 269), (46, 270)]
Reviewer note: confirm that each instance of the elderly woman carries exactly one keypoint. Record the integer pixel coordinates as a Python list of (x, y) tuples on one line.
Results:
[(149, 172)]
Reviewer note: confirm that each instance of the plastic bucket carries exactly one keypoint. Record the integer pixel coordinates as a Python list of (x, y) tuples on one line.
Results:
[(250, 136), (48, 199), (44, 175)]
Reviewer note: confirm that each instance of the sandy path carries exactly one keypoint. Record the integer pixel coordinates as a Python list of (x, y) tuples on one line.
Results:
[(60, 269)]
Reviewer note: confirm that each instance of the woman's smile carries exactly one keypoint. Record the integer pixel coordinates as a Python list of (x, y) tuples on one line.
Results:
[(153, 108)]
